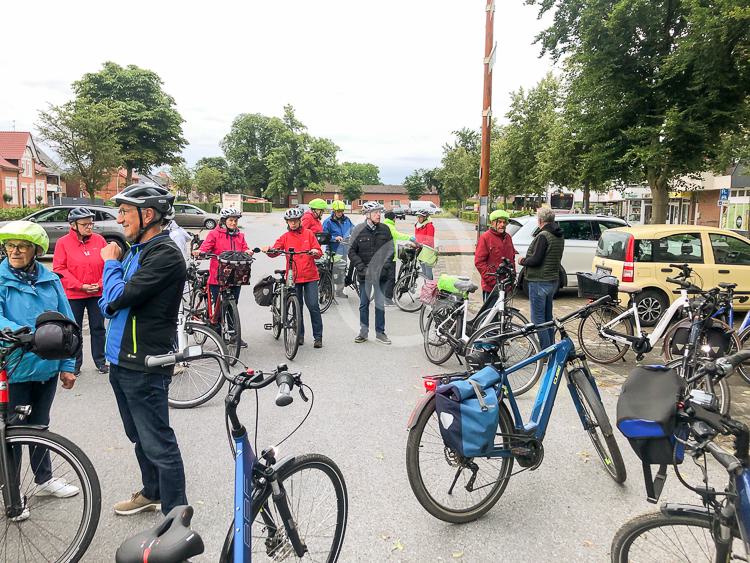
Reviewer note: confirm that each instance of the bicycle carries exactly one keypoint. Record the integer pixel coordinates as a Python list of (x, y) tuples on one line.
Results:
[(681, 532), (285, 307), (437, 486), (36, 525), (330, 271), (271, 496), (410, 279)]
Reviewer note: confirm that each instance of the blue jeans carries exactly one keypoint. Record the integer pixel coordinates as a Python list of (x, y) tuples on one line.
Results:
[(307, 294), (426, 270), (39, 396), (96, 328), (142, 402), (541, 294), (368, 290)]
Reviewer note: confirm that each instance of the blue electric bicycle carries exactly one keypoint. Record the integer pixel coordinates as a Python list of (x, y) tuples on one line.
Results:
[(292, 508), (459, 489)]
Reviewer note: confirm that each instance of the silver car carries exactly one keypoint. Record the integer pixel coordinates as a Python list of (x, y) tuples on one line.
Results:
[(54, 220), (186, 215)]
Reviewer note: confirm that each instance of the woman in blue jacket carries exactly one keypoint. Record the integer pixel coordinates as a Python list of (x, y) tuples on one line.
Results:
[(28, 289), (340, 227)]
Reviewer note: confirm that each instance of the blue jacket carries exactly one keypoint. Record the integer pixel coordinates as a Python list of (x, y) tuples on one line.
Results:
[(20, 305), (342, 228)]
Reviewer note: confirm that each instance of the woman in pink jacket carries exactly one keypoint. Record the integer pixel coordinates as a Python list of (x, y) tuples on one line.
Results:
[(79, 264)]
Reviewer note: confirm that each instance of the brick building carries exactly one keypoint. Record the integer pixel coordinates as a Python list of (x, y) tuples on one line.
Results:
[(389, 195), (23, 174)]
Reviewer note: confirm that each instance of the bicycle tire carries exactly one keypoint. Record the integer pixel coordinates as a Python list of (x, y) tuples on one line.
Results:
[(608, 450), (735, 344), (276, 315), (437, 347), (190, 389), (406, 293), (671, 547), (325, 291), (292, 326), (80, 468), (596, 347), (231, 329), (301, 463), (744, 368), (416, 450), (721, 387), (424, 315), (521, 347)]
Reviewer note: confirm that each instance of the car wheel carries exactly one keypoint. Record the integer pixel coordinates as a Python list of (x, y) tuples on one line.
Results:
[(209, 224), (652, 304), (121, 243)]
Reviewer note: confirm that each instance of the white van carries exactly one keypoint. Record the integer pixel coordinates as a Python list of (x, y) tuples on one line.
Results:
[(415, 206)]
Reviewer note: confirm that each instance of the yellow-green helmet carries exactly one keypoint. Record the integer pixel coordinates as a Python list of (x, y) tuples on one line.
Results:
[(318, 203), (338, 205), (25, 230), (499, 214)]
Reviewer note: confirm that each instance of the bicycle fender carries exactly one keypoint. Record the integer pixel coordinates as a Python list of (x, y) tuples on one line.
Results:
[(420, 406), (280, 465), (26, 427), (673, 509)]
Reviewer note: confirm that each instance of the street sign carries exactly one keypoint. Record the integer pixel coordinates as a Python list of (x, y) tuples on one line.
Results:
[(724, 194)]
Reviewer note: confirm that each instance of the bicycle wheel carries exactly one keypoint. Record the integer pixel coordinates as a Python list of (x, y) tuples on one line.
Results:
[(433, 470), (485, 347), (424, 316), (596, 423), (292, 323), (316, 493), (437, 346), (406, 293), (325, 291), (660, 537), (56, 529), (721, 387), (231, 329), (744, 368), (598, 348), (197, 381), (276, 315)]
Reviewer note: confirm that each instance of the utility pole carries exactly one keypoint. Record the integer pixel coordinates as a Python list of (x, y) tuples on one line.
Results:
[(484, 170)]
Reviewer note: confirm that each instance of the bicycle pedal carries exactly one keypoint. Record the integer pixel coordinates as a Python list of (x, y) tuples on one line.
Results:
[(268, 326)]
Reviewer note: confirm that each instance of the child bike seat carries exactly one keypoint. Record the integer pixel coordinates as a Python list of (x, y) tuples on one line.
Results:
[(170, 541)]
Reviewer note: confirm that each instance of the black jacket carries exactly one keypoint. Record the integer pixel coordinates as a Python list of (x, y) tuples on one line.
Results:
[(370, 249)]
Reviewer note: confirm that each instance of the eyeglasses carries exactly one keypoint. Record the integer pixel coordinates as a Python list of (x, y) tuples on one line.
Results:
[(86, 225), (122, 211), (22, 247)]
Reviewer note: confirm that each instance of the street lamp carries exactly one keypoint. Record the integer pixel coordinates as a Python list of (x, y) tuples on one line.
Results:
[(484, 170)]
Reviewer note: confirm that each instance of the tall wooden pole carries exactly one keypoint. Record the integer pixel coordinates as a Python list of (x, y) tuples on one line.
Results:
[(484, 171)]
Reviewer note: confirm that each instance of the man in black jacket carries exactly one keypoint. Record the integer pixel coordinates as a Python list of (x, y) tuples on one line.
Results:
[(371, 249), (141, 297)]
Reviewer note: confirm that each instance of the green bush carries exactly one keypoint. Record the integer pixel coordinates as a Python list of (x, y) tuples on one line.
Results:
[(257, 207), (205, 206), (14, 213), (471, 216)]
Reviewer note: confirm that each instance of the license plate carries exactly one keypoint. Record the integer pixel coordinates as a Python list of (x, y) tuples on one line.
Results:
[(603, 271)]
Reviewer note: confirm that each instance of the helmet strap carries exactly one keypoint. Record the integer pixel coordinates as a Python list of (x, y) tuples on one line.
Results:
[(145, 228)]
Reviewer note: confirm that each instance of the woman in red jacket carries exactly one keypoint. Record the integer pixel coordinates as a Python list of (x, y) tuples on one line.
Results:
[(305, 271), (424, 232), (79, 264), (494, 245)]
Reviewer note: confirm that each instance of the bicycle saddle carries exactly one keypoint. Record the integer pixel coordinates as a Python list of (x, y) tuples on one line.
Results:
[(465, 286), (169, 542), (625, 288), (727, 285)]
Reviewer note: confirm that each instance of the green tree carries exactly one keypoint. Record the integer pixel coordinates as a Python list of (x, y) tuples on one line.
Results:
[(352, 189), (416, 184), (459, 175), (209, 181), (183, 178), (218, 162), (666, 80), (82, 134), (149, 132), (367, 174)]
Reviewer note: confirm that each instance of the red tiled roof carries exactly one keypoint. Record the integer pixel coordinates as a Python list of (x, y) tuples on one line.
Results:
[(5, 164), (13, 144)]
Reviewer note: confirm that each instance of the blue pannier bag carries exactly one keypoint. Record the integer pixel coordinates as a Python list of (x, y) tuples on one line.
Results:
[(647, 417), (468, 413)]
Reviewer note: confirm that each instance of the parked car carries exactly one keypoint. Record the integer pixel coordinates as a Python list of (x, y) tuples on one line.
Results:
[(581, 233), (187, 215), (400, 212), (415, 206), (54, 220), (641, 255)]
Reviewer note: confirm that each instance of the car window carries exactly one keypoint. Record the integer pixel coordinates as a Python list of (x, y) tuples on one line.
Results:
[(606, 225), (577, 230), (730, 250), (685, 247), (179, 208), (192, 210), (103, 216), (57, 215), (513, 227), (612, 245)]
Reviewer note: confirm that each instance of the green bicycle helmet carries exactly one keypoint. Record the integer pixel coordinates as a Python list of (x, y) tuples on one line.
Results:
[(318, 203), (338, 205), (26, 230), (499, 214)]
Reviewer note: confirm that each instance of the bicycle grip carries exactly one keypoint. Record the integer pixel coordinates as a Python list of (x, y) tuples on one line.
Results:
[(285, 383), (163, 360)]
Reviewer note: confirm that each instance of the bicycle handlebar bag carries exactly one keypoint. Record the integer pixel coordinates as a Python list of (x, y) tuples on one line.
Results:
[(234, 268), (323, 237), (468, 413), (263, 292)]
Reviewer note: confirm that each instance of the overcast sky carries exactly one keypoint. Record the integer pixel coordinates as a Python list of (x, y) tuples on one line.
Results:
[(387, 81)]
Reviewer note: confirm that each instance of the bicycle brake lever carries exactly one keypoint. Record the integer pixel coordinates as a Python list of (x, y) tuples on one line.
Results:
[(302, 395)]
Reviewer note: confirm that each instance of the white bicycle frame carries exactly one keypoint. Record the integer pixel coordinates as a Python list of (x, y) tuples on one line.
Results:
[(659, 329), (497, 308)]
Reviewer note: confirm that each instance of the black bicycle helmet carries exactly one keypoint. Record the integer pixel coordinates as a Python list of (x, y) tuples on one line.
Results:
[(144, 196), (78, 213)]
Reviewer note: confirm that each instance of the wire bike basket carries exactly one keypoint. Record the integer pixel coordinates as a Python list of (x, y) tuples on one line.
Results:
[(594, 286), (234, 268)]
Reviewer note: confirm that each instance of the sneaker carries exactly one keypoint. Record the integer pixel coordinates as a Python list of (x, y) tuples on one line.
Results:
[(300, 341), (342, 295), (57, 487), (243, 344), (360, 338), (389, 303), (24, 514), (104, 368), (318, 343), (383, 338), (137, 503)]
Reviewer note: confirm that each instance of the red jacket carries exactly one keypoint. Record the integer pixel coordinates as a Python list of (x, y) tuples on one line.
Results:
[(301, 240), (79, 263), (311, 221), (217, 241), (425, 233), (491, 249)]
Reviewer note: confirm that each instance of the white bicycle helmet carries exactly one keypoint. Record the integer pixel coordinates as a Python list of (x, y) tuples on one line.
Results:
[(423, 213), (293, 213), (371, 206), (227, 212)]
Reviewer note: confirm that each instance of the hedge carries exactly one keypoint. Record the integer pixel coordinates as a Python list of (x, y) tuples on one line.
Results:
[(205, 206), (257, 207), (12, 213)]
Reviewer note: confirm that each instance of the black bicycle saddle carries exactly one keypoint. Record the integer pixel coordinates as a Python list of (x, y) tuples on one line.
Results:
[(171, 541)]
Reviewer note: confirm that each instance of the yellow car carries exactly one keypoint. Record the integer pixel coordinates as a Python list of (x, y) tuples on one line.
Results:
[(641, 256)]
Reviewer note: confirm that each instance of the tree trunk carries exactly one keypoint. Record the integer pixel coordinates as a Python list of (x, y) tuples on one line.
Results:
[(586, 197), (659, 196), (129, 175)]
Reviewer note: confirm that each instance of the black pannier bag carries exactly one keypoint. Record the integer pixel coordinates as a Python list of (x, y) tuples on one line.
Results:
[(715, 335), (647, 417), (263, 292)]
